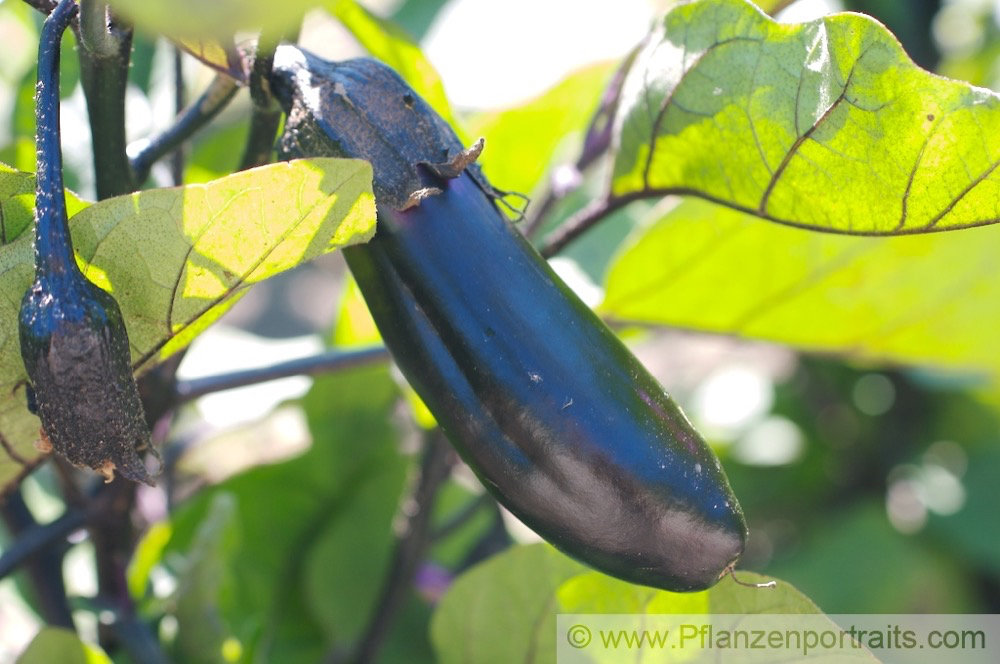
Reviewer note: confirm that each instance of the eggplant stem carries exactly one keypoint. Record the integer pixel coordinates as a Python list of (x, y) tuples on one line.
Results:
[(53, 249), (95, 29), (731, 571)]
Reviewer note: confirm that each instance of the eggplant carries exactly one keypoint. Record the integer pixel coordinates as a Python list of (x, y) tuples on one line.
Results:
[(73, 339), (557, 418)]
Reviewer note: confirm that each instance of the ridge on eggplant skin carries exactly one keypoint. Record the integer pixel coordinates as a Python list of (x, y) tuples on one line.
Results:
[(543, 401), (548, 407)]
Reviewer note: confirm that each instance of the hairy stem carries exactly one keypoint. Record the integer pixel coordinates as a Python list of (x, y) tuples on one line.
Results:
[(113, 536), (34, 538), (95, 32), (43, 6), (138, 640), (260, 140)]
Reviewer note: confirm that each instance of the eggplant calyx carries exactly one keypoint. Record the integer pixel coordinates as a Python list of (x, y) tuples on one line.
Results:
[(448, 170), (457, 165), (361, 109)]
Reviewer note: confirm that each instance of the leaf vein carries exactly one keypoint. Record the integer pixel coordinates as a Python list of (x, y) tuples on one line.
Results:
[(239, 282), (799, 141)]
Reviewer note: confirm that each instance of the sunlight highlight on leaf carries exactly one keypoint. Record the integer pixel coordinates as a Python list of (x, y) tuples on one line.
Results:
[(177, 259), (916, 300), (825, 124)]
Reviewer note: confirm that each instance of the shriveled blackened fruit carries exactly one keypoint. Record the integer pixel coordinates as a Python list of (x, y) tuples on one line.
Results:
[(557, 418), (73, 339)]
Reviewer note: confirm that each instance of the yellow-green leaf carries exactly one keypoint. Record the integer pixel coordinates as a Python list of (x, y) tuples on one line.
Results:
[(56, 644), (523, 142), (918, 299), (216, 53), (825, 124), (175, 259), (506, 608), (216, 18), (17, 203)]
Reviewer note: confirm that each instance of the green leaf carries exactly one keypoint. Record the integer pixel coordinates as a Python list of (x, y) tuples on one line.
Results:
[(389, 43), (605, 607), (523, 142), (825, 124), (17, 203), (56, 644), (176, 259), (205, 584), (290, 513), (148, 554), (918, 300), (354, 327), (346, 567), (218, 18), (503, 608), (594, 592)]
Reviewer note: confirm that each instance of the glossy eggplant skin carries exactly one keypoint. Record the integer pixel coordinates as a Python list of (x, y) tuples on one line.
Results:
[(73, 339), (556, 417)]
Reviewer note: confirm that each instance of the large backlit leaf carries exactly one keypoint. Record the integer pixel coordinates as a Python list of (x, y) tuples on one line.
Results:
[(197, 18), (175, 259), (920, 299), (825, 124)]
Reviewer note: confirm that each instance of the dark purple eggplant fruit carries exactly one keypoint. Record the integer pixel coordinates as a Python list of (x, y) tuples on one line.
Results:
[(554, 414), (73, 339)]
